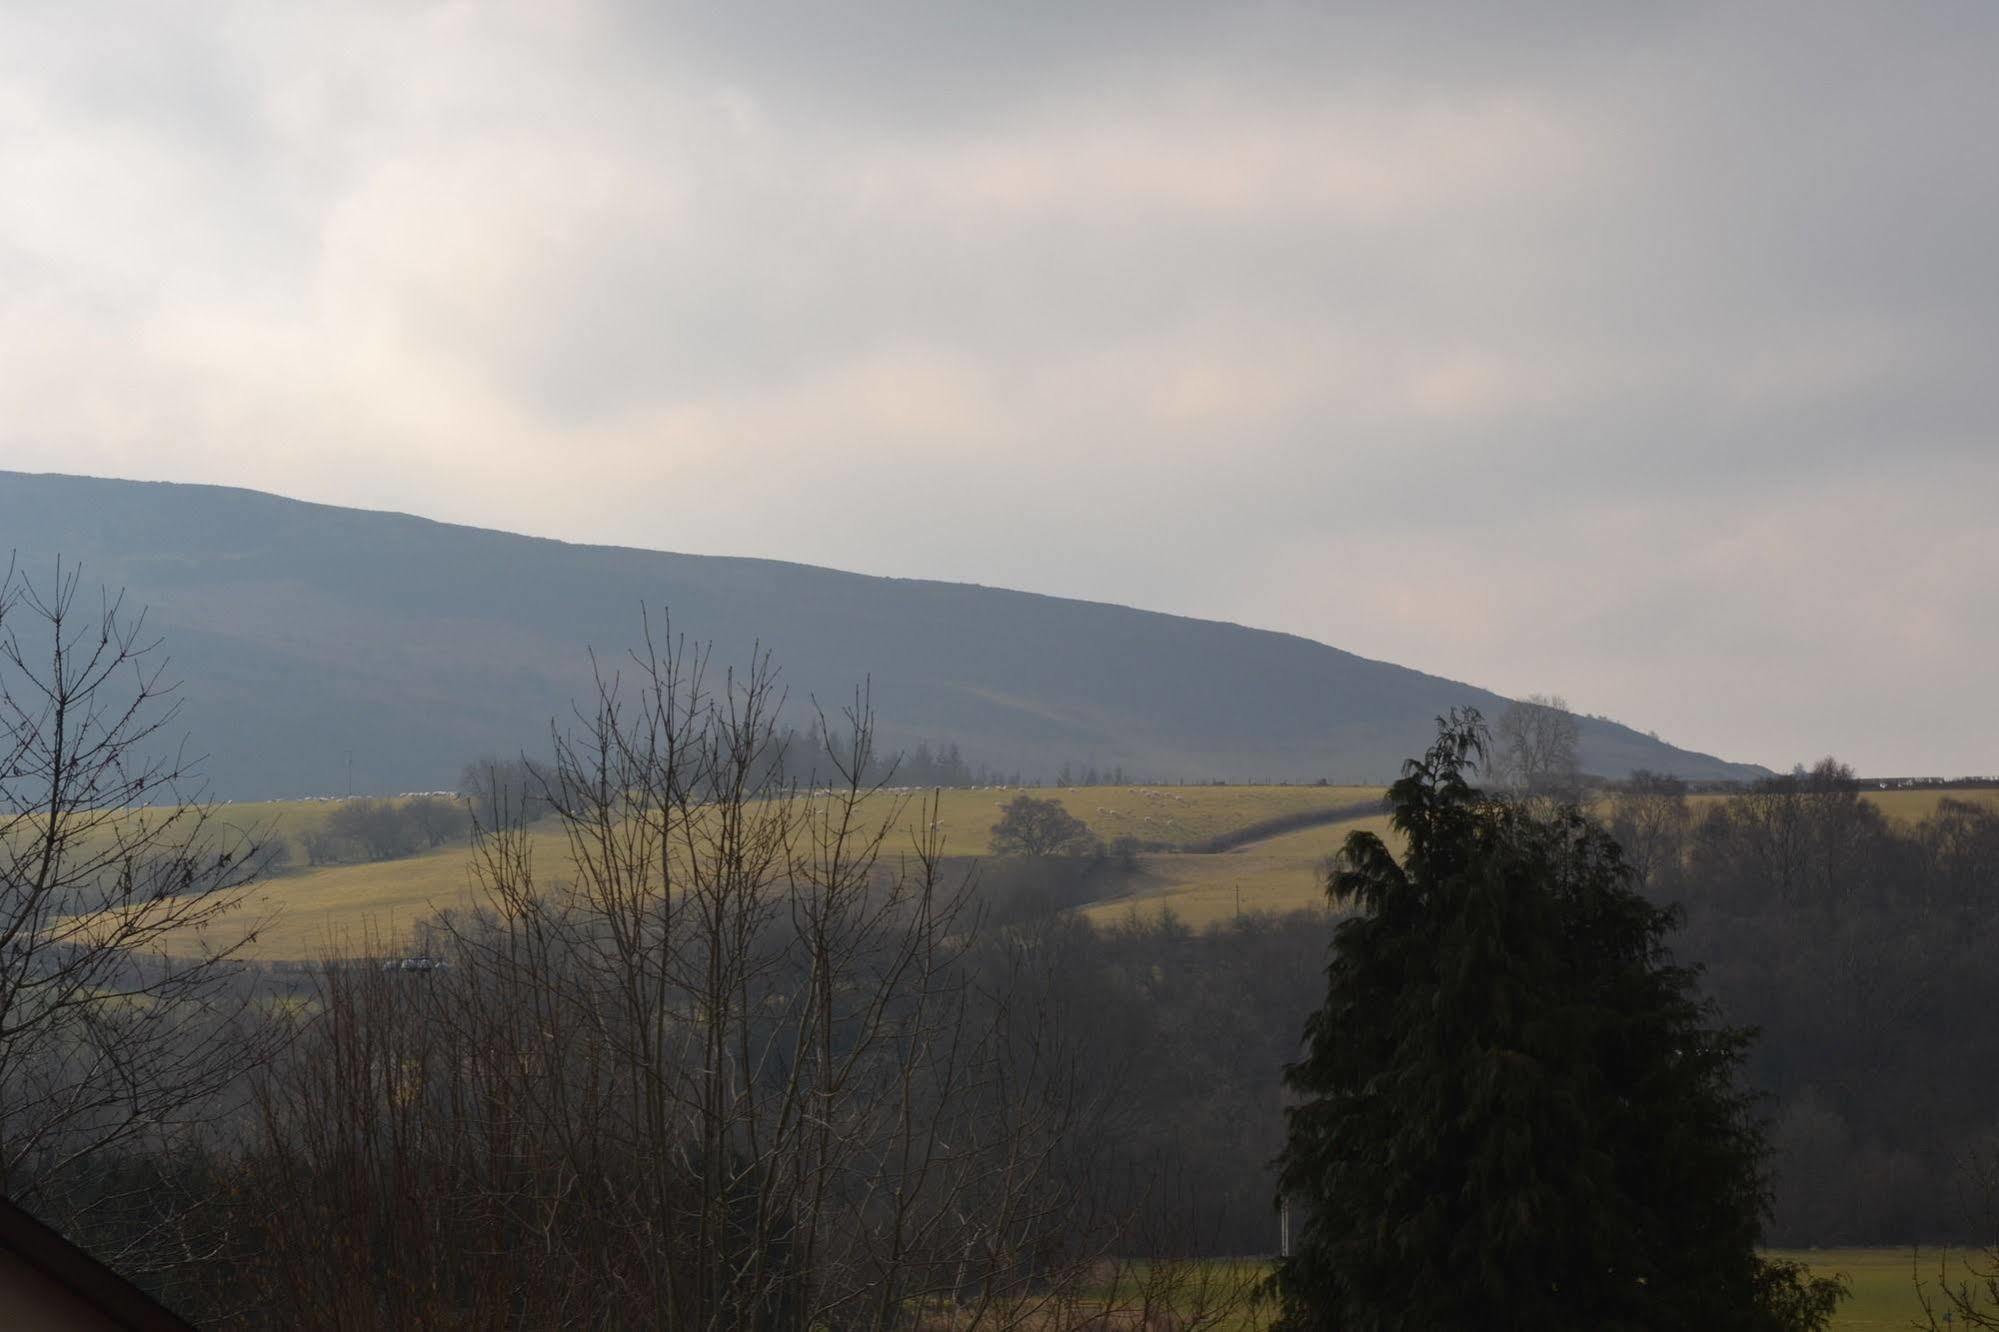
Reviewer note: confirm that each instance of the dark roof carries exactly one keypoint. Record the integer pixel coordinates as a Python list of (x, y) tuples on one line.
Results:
[(66, 1265)]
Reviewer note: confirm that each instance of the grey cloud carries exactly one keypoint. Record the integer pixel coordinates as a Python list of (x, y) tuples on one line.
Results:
[(1535, 312), (906, 64)]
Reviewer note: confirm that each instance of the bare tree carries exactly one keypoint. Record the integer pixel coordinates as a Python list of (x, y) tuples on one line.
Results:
[(118, 993), (514, 785), (738, 1062), (1806, 838), (1534, 750), (1968, 1297), (1650, 819)]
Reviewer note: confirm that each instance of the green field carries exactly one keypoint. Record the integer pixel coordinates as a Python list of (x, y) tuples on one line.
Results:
[(1915, 806), (1280, 873), (1882, 1283), (1170, 816), (309, 909)]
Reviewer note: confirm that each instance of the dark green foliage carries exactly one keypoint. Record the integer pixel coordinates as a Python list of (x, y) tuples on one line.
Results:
[(1514, 1111), (1033, 827)]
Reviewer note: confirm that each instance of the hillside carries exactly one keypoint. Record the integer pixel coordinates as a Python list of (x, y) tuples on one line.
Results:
[(308, 908), (304, 631)]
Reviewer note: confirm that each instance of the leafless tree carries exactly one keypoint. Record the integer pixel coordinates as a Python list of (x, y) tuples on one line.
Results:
[(1534, 750), (118, 988), (1650, 819), (1806, 836), (513, 784), (1840, 829), (1968, 1297), (740, 1056)]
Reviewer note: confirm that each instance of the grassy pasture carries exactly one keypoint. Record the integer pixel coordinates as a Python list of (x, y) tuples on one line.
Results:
[(1281, 873), (341, 907), (1882, 1283), (1175, 816), (310, 909), (1915, 806), (314, 907), (1277, 874)]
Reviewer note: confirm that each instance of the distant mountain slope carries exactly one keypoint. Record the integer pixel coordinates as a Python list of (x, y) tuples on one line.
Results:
[(304, 631)]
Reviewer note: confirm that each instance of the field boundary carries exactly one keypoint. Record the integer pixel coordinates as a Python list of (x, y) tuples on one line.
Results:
[(1285, 823)]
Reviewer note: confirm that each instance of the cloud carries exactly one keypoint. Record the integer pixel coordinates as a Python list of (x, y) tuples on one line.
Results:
[(1632, 355)]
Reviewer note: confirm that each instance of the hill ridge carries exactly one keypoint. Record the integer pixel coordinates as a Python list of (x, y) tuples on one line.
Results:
[(305, 629)]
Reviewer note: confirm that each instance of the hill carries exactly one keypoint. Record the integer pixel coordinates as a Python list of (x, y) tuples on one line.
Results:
[(305, 631)]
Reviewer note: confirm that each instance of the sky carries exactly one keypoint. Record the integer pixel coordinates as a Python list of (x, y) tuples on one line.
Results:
[(1639, 354)]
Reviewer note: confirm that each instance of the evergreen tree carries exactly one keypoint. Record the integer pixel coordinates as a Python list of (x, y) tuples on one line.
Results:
[(1513, 1110)]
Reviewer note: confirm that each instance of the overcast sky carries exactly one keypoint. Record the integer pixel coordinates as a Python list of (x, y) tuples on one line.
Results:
[(1643, 354)]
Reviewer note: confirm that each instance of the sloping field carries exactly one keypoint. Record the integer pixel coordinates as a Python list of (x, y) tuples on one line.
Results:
[(1173, 816), (1281, 873), (1169, 816), (309, 910), (1284, 873), (340, 908)]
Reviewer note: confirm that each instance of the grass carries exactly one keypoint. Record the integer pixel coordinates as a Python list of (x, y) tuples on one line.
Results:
[(1282, 873), (1882, 1282), (1224, 1294), (336, 908), (1174, 816), (1278, 874), (312, 908), (1915, 806)]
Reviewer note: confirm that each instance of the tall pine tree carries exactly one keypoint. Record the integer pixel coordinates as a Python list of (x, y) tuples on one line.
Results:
[(1514, 1111)]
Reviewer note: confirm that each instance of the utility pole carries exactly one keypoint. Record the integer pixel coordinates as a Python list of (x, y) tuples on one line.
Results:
[(350, 774)]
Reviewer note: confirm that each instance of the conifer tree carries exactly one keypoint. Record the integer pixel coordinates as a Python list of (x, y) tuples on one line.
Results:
[(1514, 1110)]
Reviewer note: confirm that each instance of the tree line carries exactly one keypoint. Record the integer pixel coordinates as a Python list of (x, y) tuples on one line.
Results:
[(366, 829), (1862, 950)]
